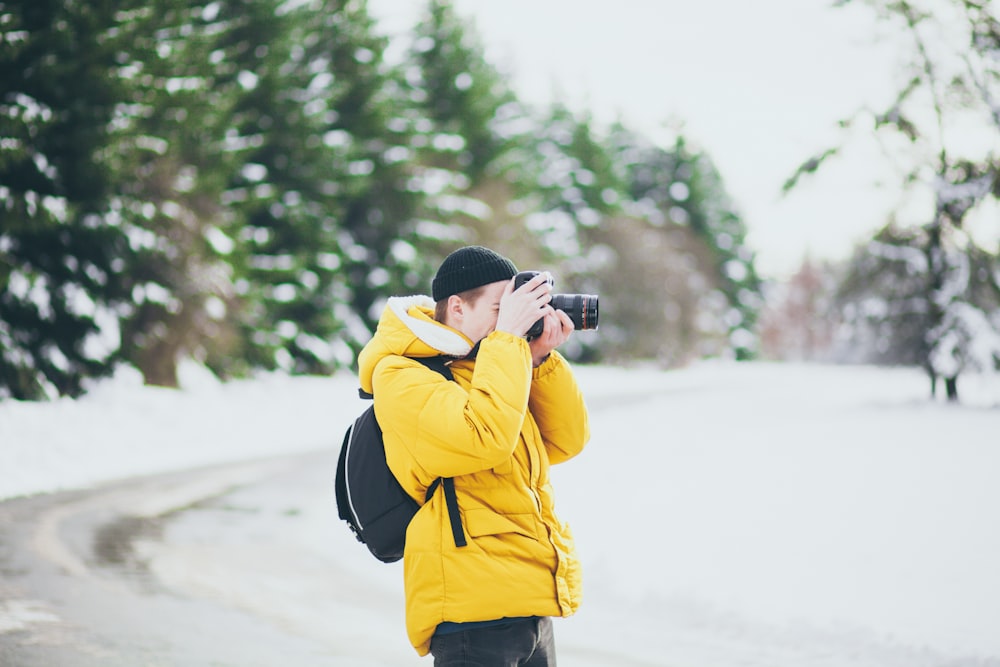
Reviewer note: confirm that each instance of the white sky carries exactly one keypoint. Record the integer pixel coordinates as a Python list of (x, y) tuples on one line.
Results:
[(759, 85)]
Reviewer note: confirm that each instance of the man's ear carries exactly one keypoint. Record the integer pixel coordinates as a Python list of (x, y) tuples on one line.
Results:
[(455, 309)]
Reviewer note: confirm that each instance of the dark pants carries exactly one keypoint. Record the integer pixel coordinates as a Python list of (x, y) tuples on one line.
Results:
[(523, 643)]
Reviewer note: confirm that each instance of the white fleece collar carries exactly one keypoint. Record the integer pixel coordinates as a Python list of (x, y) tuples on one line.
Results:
[(439, 337)]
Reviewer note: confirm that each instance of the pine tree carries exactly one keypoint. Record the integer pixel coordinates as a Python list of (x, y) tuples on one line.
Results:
[(172, 155), (579, 194), (263, 196), (678, 186), (712, 215), (281, 193), (460, 92), (469, 141), (322, 213), (60, 254), (577, 172), (368, 129)]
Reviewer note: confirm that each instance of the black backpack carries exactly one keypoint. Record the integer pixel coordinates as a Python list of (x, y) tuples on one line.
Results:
[(369, 498)]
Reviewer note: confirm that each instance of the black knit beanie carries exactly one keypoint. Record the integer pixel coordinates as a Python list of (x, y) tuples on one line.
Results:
[(468, 268)]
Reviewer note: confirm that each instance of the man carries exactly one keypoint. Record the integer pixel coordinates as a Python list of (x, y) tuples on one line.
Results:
[(513, 409)]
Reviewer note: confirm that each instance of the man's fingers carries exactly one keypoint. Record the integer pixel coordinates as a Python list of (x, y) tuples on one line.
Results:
[(567, 321)]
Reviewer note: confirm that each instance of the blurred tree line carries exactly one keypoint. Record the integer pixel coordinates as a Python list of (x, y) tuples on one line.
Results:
[(923, 291), (244, 183)]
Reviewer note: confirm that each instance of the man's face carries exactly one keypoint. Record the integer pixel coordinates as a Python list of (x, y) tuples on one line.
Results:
[(479, 318)]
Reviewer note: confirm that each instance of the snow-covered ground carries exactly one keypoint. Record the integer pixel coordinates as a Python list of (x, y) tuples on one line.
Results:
[(754, 514)]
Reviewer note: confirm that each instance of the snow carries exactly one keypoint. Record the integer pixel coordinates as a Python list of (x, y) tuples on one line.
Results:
[(752, 514)]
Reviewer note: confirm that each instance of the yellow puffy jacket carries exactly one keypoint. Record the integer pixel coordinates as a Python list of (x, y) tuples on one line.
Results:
[(495, 430)]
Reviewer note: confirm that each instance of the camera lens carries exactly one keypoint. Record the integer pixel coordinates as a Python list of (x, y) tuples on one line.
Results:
[(581, 308)]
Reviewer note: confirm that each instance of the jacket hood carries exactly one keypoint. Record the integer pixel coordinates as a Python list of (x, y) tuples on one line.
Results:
[(407, 328)]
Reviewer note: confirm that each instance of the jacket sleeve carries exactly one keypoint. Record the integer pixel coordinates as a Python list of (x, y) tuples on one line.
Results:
[(446, 429), (559, 409)]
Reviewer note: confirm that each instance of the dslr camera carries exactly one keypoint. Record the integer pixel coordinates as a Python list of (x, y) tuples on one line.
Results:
[(581, 308)]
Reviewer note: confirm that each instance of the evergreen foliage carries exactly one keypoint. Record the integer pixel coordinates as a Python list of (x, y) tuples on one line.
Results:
[(471, 150), (459, 92), (678, 187), (244, 182), (59, 255), (320, 199), (695, 196), (171, 154)]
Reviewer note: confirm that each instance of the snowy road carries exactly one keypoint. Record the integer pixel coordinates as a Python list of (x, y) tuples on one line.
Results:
[(733, 516), (242, 565), (77, 589), (246, 565)]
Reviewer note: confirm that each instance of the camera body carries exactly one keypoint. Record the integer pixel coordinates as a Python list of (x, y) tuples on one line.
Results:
[(581, 308)]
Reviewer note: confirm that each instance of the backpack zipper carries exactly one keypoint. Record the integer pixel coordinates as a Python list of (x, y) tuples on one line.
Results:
[(347, 478)]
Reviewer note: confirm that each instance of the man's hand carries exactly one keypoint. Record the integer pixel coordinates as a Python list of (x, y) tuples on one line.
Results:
[(558, 327), (520, 309)]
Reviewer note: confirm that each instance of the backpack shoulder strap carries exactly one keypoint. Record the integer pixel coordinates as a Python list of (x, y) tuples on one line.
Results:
[(438, 364), (451, 503)]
